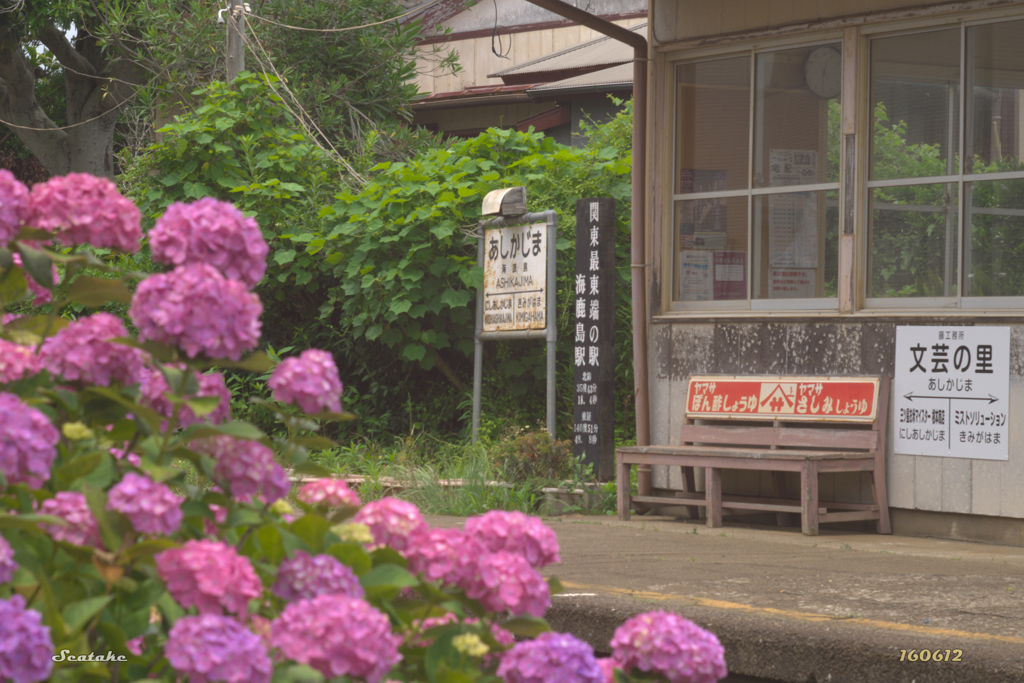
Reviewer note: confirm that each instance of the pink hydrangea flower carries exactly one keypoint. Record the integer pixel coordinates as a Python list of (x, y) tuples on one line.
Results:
[(133, 458), (517, 533), (306, 576), (151, 507), (73, 509), (445, 555), (84, 209), (154, 387), (245, 467), (136, 645), (42, 294), (214, 232), (671, 646), (608, 666), (210, 647), (13, 205), (9, 318), (28, 442), (309, 381), (209, 575), (198, 310), (26, 649), (504, 581), (83, 351), (392, 522), (332, 493), (338, 636), (7, 563), (17, 362), (420, 626), (551, 657)]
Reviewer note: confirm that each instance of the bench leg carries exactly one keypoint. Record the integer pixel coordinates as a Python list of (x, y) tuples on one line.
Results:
[(713, 496), (809, 497), (690, 486), (881, 500), (622, 487)]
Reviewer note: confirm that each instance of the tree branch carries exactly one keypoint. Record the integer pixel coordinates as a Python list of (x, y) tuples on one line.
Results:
[(57, 43), (18, 106)]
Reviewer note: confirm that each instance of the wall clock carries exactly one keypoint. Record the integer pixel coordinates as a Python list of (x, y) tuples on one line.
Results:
[(823, 72)]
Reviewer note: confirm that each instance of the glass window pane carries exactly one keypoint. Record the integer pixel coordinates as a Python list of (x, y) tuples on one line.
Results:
[(796, 242), (797, 114), (915, 97), (912, 241), (995, 130), (710, 249), (713, 125), (994, 246)]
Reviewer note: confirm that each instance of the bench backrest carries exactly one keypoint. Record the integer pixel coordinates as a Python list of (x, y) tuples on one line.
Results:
[(826, 413)]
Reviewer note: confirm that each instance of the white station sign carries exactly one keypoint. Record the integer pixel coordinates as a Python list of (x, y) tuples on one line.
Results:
[(515, 275), (952, 392)]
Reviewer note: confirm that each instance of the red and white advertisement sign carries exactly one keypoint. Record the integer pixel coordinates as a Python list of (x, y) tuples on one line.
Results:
[(784, 398)]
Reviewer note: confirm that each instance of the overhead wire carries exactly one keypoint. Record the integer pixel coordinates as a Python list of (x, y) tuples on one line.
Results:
[(345, 28)]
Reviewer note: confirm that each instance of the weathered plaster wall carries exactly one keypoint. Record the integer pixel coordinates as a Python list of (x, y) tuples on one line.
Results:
[(960, 485)]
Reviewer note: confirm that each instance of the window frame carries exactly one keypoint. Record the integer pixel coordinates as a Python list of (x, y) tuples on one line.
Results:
[(854, 187), (824, 305)]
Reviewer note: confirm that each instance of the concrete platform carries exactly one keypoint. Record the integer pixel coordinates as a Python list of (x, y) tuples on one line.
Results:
[(839, 607)]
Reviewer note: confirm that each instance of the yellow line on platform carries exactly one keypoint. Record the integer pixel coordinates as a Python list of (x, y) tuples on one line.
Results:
[(803, 616)]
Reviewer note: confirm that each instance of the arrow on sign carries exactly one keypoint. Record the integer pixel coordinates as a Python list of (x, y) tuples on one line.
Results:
[(990, 398)]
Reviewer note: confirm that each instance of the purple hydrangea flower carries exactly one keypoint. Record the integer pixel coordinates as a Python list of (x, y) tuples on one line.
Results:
[(84, 209), (42, 294), (210, 647), (309, 381), (608, 666), (338, 636), (17, 362), (26, 650), (246, 467), (505, 581), (13, 205), (198, 310), (28, 442), (548, 658), (209, 575), (306, 576), (133, 458), (332, 493), (667, 644), (154, 387), (7, 563), (214, 232), (73, 509), (151, 507), (392, 522), (445, 555), (136, 645), (516, 533), (83, 351)]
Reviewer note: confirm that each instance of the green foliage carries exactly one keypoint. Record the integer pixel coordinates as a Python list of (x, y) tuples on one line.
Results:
[(534, 455)]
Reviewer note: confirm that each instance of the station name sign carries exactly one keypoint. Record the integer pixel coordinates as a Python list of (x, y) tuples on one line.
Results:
[(515, 277)]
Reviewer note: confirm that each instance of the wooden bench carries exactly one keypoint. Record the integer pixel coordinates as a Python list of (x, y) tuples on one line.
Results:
[(779, 424)]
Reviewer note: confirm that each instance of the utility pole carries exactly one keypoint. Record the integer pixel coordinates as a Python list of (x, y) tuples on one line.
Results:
[(235, 51)]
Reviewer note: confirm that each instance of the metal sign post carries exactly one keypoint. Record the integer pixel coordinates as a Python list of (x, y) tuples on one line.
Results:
[(517, 299)]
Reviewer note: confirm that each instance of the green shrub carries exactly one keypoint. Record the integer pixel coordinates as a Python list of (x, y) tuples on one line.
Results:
[(534, 455)]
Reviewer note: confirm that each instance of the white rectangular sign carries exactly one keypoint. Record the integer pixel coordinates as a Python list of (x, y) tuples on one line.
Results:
[(515, 275), (952, 392)]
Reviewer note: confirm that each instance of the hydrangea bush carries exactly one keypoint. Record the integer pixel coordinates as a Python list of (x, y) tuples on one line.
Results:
[(114, 567)]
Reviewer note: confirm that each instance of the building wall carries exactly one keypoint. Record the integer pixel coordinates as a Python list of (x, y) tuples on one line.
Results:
[(827, 343), (477, 59), (938, 484)]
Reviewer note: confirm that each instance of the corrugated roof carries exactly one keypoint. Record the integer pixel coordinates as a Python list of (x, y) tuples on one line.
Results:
[(593, 53), (619, 77)]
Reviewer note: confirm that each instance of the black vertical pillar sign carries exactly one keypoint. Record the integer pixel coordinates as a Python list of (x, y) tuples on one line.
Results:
[(594, 336)]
